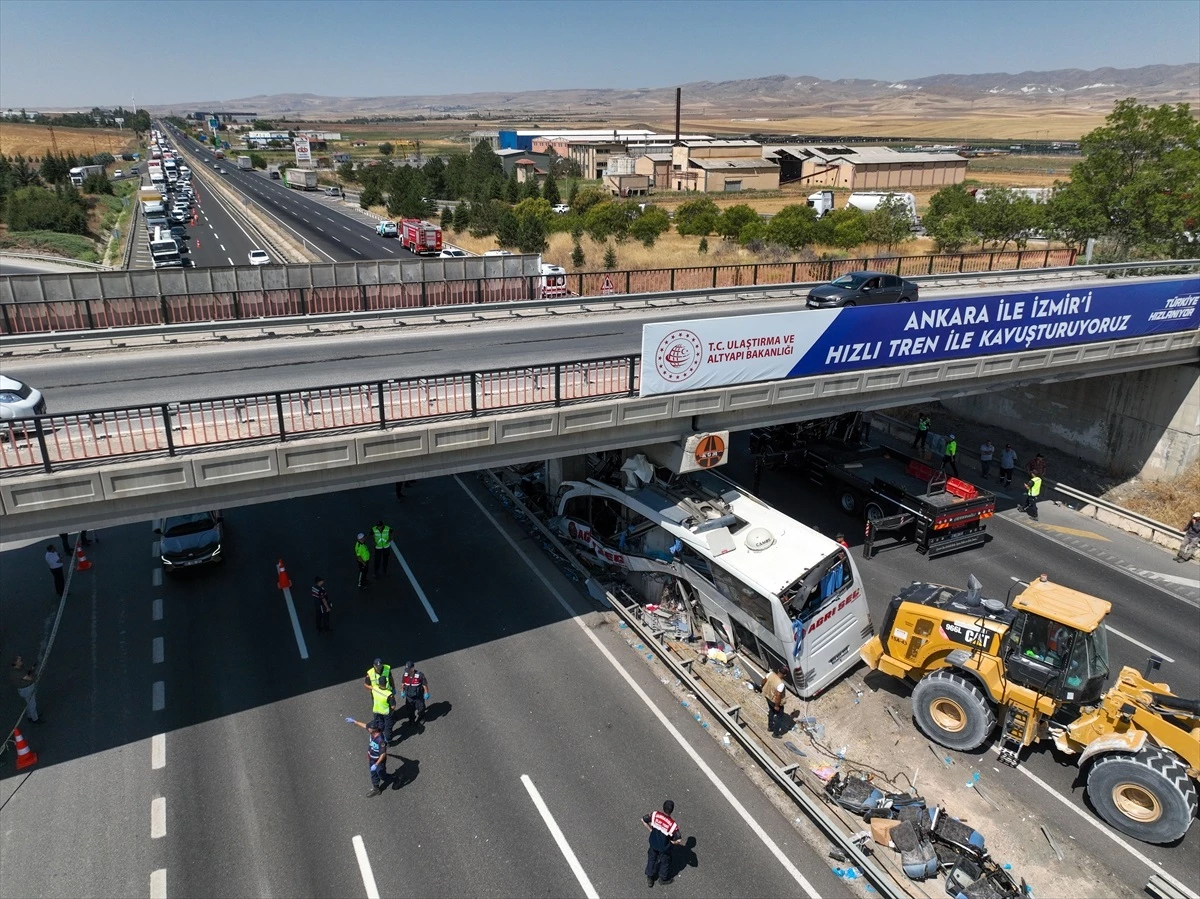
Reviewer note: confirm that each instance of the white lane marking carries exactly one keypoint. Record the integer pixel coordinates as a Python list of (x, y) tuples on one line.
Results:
[(223, 250), (158, 751), (287, 595), (412, 579), (215, 234), (158, 818), (335, 240), (390, 250), (364, 868), (1090, 819), (319, 228), (1161, 655), (330, 219), (1169, 578), (158, 884), (156, 577), (158, 696), (157, 650), (563, 846), (346, 228), (230, 258), (156, 610), (745, 815), (154, 551)]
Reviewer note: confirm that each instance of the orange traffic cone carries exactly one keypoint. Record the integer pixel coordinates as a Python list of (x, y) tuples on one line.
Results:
[(26, 757), (285, 582), (81, 561)]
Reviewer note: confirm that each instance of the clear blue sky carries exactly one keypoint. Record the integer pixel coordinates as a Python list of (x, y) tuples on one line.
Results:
[(55, 54)]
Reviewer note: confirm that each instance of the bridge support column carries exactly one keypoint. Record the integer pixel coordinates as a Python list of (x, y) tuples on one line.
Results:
[(1143, 422)]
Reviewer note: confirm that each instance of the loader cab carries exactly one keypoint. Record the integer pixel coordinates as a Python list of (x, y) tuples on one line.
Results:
[(1057, 645)]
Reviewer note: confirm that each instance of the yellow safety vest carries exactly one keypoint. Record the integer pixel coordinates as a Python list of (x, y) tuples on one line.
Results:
[(1035, 485), (361, 552), (380, 695), (383, 536), (373, 675), (952, 448)]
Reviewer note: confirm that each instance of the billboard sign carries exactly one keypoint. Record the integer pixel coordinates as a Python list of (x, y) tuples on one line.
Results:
[(303, 152), (214, 125), (716, 352)]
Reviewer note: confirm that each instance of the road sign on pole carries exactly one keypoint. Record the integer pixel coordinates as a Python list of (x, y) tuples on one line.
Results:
[(607, 286)]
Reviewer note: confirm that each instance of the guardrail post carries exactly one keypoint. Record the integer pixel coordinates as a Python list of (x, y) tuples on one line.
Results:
[(633, 361), (1020, 256), (166, 414), (8, 326), (474, 407), (557, 383), (672, 279), (714, 284), (899, 260), (424, 294), (478, 290), (382, 416), (756, 273), (279, 413), (87, 307), (165, 310), (303, 300), (991, 261), (362, 294), (41, 439), (1046, 258), (930, 272), (962, 257), (237, 305)]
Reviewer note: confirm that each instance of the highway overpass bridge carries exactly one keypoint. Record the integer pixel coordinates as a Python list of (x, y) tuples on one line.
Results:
[(138, 461)]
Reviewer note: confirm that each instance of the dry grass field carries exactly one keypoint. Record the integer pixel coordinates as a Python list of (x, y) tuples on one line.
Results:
[(35, 140)]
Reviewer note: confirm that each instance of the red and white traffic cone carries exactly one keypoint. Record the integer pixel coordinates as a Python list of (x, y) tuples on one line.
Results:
[(26, 757), (285, 582), (81, 561)]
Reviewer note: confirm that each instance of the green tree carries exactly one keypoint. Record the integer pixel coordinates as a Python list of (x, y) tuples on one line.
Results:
[(532, 235), (734, 219), (97, 184), (435, 177), (484, 174), (947, 201), (1073, 216), (54, 169), (346, 173), (889, 223), (586, 198), (697, 217), (572, 194), (703, 248), (447, 218), (578, 260), (462, 217), (512, 187), (610, 257), (550, 189), (607, 219), (1139, 178), (651, 224), (1003, 215), (258, 160), (843, 228), (386, 148), (793, 226), (953, 231), (508, 229), (753, 235), (530, 189), (537, 208), (455, 176), (370, 196), (38, 209)]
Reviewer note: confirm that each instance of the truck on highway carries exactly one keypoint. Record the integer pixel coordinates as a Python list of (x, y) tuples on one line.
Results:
[(300, 179), (418, 236), (218, 153), (733, 571), (81, 173), (164, 252), (245, 163), (901, 496), (152, 202), (869, 201), (822, 201)]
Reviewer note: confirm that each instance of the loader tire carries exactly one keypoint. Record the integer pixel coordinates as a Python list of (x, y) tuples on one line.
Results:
[(1147, 796), (953, 711)]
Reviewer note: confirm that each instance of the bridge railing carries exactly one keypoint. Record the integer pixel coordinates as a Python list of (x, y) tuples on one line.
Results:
[(96, 314), (55, 442)]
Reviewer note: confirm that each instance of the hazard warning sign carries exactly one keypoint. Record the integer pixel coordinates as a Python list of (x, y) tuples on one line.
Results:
[(710, 451), (607, 286)]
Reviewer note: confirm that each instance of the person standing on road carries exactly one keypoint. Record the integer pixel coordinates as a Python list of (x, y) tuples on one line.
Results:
[(382, 535), (664, 833), (321, 603), (950, 456), (378, 670), (1191, 539), (376, 756), (383, 705), (774, 691), (1037, 465), (55, 563), (1033, 489), (362, 556), (25, 681), (986, 450), (416, 689), (1008, 461), (922, 431)]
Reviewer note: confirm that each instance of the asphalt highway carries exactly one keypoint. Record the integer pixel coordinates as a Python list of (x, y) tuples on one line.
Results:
[(195, 741), (217, 239)]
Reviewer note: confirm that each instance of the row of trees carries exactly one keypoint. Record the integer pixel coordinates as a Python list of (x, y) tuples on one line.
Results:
[(138, 122), (37, 195)]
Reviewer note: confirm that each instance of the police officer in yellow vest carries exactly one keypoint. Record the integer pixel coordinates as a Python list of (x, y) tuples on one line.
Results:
[(1033, 489), (362, 556), (382, 534), (950, 456), (383, 697)]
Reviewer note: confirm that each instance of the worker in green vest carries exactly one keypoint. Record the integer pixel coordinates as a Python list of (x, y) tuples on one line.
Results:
[(1033, 489), (383, 704), (362, 555), (382, 534), (922, 431), (949, 457)]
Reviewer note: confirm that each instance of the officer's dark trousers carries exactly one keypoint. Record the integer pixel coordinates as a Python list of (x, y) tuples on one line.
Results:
[(362, 574), (658, 863), (384, 723), (379, 776), (415, 708), (382, 555)]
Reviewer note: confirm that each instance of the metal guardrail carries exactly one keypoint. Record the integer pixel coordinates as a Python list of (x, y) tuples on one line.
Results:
[(134, 221), (1164, 886), (887, 886), (61, 260)]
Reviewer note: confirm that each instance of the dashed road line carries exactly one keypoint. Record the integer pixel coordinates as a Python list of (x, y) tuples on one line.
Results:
[(156, 610), (1161, 655), (230, 258), (156, 650), (291, 607), (412, 579), (158, 751), (154, 552), (158, 818), (156, 577), (158, 884), (563, 846), (364, 868), (158, 696)]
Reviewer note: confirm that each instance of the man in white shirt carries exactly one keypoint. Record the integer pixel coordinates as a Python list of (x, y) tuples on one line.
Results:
[(55, 563)]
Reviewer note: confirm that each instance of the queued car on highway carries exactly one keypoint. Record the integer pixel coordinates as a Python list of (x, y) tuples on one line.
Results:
[(19, 400), (189, 540), (387, 229), (259, 257), (453, 253), (862, 289)]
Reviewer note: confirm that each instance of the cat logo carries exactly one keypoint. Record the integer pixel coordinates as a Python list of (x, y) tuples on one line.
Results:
[(710, 451)]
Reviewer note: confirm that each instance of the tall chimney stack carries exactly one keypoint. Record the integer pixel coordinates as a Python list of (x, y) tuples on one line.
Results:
[(678, 103)]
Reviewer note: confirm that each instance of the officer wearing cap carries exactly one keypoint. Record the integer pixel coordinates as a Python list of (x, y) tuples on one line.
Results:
[(382, 688), (376, 756), (664, 833), (950, 457), (362, 555), (416, 688)]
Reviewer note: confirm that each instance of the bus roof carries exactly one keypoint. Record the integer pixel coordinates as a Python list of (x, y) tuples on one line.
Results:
[(796, 549)]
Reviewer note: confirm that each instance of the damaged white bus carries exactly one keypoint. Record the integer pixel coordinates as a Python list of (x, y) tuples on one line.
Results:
[(781, 593)]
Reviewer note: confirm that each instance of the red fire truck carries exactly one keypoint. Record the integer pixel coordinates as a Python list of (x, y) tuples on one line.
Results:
[(420, 237)]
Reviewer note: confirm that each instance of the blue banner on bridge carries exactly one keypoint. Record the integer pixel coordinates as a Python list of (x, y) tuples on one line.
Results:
[(692, 355)]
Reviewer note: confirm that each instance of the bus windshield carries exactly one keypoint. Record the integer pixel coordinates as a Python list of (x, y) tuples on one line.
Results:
[(818, 585)]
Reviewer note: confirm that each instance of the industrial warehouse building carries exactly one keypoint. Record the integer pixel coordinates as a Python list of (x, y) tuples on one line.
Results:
[(864, 168), (712, 166)]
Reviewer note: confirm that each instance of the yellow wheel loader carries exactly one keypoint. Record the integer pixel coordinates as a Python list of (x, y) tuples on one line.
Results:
[(1037, 666)]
